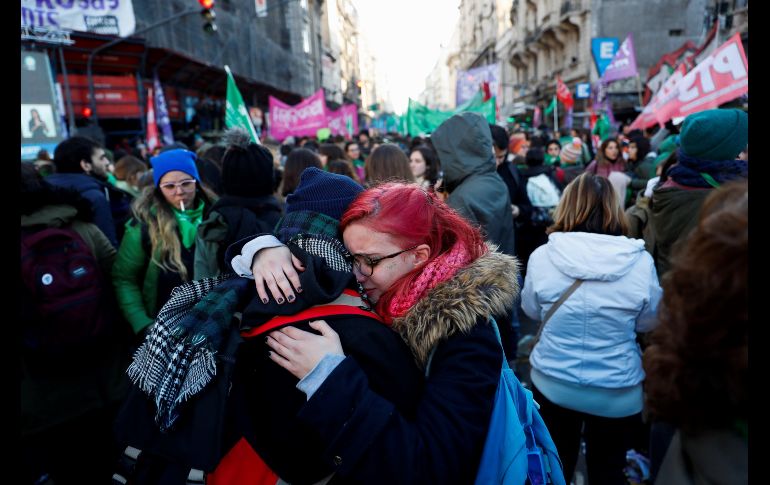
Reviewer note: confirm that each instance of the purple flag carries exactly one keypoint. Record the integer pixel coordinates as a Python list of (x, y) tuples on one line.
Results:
[(162, 114), (623, 65), (567, 123)]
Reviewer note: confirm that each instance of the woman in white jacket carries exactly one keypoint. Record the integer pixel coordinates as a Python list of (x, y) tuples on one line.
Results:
[(586, 367)]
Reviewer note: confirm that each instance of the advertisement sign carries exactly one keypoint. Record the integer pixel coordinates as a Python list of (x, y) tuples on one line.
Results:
[(116, 96), (583, 90), (303, 119), (108, 17), (717, 79), (469, 82), (603, 50), (39, 116), (344, 121)]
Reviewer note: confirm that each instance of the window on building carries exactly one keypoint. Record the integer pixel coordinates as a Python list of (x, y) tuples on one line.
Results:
[(675, 32)]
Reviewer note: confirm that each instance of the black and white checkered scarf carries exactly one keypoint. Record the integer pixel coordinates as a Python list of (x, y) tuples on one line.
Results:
[(178, 357)]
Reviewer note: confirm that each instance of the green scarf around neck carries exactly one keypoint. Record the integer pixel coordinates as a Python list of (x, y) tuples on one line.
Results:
[(188, 222)]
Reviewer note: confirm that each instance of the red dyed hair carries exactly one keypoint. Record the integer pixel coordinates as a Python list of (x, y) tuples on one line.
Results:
[(412, 215)]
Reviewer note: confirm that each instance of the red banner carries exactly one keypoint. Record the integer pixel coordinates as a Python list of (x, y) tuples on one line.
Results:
[(153, 140), (717, 79), (116, 96), (563, 93)]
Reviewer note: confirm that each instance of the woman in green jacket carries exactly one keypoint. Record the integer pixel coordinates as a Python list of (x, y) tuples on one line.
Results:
[(164, 224)]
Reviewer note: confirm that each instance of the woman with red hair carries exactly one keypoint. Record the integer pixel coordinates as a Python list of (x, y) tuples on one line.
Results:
[(435, 282)]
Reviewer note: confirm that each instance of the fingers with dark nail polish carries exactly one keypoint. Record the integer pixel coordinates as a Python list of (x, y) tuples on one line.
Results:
[(290, 298), (280, 301), (264, 300), (299, 289)]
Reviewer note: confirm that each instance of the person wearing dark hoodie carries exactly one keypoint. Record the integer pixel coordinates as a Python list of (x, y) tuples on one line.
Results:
[(464, 146), (709, 144), (543, 192), (640, 164), (82, 165), (264, 399), (246, 207), (78, 392)]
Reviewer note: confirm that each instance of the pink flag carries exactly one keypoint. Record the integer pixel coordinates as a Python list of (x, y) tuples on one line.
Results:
[(153, 140), (303, 119), (344, 121), (717, 79)]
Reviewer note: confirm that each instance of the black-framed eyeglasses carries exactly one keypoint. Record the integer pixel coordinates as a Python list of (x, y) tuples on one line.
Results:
[(365, 265)]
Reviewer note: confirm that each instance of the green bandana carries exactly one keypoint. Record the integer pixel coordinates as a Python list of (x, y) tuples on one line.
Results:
[(550, 160), (188, 223)]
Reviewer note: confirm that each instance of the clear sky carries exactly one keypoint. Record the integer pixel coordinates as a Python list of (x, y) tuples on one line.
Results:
[(405, 37)]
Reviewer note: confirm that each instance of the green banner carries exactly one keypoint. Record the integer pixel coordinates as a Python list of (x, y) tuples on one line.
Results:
[(236, 114), (420, 120)]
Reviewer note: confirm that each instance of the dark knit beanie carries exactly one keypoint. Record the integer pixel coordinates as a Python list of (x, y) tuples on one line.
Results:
[(247, 171), (171, 160), (715, 134), (324, 192)]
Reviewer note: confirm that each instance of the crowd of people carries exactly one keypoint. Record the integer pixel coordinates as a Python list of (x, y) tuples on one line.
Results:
[(352, 284)]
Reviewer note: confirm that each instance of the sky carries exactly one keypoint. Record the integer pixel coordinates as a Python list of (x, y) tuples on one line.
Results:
[(405, 37)]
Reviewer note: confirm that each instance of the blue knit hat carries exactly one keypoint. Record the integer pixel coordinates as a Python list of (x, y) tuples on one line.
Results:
[(324, 192), (182, 160), (715, 134)]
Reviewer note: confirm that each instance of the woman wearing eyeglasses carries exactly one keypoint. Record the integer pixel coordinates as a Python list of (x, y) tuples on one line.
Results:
[(435, 282), (158, 247)]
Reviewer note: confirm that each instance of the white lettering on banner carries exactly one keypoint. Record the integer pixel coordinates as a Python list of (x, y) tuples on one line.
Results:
[(715, 95), (113, 17), (728, 61), (290, 116), (605, 50)]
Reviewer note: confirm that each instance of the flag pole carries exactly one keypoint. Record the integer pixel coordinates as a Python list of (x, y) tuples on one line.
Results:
[(555, 115), (639, 88)]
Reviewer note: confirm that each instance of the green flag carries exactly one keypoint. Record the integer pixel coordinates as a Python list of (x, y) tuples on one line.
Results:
[(421, 120), (550, 107), (236, 114)]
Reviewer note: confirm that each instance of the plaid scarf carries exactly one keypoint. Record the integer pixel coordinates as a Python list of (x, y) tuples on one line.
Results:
[(307, 222), (178, 357)]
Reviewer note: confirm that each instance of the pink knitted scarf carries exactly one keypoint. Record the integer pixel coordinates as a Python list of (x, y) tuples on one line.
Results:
[(441, 269)]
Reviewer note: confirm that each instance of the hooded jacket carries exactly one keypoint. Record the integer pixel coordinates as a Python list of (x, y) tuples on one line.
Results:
[(673, 215), (369, 441), (464, 146), (230, 219), (591, 339), (110, 205)]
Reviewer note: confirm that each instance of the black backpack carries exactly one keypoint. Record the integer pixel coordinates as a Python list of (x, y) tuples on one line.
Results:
[(64, 293)]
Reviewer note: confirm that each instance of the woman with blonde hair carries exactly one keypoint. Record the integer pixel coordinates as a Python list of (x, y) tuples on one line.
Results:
[(157, 250), (594, 289)]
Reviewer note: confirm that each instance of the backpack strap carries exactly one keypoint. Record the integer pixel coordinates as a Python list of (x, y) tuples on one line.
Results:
[(552, 310), (127, 466), (348, 303)]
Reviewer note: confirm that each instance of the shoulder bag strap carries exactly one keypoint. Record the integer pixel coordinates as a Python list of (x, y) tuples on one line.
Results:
[(556, 306)]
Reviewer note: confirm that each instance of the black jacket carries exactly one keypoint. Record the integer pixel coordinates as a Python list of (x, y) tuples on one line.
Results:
[(288, 446)]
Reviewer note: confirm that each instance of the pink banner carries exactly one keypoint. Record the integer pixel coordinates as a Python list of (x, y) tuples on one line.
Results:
[(717, 79), (344, 121), (303, 119)]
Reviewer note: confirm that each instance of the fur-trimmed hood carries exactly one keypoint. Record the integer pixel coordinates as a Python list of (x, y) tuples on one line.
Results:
[(487, 286)]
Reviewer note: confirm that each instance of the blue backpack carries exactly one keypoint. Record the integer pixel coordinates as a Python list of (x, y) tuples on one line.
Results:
[(518, 445)]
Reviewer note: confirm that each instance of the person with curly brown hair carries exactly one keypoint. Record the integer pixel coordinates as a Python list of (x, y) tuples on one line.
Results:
[(697, 362)]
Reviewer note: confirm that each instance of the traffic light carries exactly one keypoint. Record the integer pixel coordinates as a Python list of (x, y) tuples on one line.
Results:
[(86, 112), (208, 15)]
